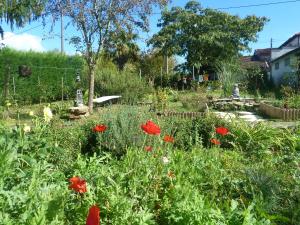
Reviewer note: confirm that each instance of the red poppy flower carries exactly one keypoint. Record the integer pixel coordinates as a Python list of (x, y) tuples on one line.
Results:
[(78, 184), (151, 128), (93, 217), (99, 128), (215, 141), (222, 130), (169, 138), (148, 148)]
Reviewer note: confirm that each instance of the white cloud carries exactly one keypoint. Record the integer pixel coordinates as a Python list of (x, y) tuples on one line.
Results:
[(23, 42)]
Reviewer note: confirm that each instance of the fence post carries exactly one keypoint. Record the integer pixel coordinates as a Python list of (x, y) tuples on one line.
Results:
[(14, 85), (6, 83), (62, 88)]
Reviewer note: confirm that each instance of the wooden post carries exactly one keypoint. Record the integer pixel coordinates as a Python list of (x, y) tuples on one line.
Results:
[(6, 83), (140, 74), (14, 85), (62, 88), (193, 73), (161, 72)]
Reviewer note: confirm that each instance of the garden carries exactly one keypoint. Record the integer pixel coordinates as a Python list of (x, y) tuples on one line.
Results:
[(176, 147), (127, 164)]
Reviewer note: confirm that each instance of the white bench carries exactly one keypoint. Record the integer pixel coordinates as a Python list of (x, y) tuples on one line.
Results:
[(105, 98)]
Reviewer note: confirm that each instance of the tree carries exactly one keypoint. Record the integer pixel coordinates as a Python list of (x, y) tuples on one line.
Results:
[(122, 48), (152, 63), (18, 13), (96, 20), (205, 36)]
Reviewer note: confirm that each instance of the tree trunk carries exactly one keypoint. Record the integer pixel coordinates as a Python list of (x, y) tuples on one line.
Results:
[(91, 88)]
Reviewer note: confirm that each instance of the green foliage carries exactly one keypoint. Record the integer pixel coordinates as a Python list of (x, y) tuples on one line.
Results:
[(20, 12), (206, 37), (123, 132), (257, 78), (45, 82), (253, 178), (110, 81), (229, 74), (195, 102), (153, 68)]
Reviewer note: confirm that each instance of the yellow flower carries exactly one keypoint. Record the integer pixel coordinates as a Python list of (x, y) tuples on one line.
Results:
[(31, 113), (47, 114), (26, 128)]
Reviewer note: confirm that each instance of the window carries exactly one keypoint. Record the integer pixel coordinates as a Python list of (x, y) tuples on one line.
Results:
[(287, 61), (277, 66)]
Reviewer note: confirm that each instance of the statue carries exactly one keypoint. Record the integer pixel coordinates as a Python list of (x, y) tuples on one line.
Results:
[(236, 91), (79, 95)]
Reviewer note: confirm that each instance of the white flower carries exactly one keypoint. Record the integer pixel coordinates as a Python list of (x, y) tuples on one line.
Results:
[(31, 113), (26, 128), (47, 114), (165, 160)]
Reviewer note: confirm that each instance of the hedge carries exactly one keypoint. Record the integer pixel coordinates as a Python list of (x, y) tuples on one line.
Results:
[(52, 76)]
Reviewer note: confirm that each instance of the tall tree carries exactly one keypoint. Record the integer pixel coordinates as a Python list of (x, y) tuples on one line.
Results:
[(122, 48), (18, 13), (204, 36), (96, 20)]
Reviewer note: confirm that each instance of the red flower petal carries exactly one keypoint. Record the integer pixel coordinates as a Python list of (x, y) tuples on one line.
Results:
[(99, 128), (93, 217), (151, 128), (148, 148), (215, 141), (78, 184), (222, 130), (169, 138)]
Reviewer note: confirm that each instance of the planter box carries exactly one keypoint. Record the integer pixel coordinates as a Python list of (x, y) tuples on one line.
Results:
[(279, 113)]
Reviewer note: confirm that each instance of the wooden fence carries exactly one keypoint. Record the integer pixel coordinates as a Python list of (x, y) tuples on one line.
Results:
[(184, 115), (280, 113)]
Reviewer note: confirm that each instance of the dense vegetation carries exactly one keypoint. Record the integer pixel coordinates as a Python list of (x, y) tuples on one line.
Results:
[(48, 71), (250, 178)]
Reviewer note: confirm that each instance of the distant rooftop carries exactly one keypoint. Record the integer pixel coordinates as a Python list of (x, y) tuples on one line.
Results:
[(290, 39)]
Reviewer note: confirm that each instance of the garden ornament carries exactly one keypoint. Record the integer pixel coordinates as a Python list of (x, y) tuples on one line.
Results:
[(79, 95), (236, 91)]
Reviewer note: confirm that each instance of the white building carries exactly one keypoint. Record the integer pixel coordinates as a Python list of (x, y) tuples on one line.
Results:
[(282, 59)]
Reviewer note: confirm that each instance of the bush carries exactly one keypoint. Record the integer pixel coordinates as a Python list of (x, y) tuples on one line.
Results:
[(45, 82), (123, 132), (110, 81)]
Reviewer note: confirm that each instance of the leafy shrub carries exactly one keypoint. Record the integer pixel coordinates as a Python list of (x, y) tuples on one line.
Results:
[(45, 82), (194, 102), (110, 81), (123, 131)]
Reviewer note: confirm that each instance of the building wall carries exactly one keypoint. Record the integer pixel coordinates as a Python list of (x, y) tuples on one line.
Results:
[(278, 73)]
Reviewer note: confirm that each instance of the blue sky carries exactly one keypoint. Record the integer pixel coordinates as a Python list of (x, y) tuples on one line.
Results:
[(284, 22)]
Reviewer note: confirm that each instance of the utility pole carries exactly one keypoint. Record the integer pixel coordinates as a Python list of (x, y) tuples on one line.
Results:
[(270, 66), (61, 32)]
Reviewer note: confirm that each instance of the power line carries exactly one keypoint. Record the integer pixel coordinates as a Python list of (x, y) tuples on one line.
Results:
[(24, 31), (223, 8), (258, 5)]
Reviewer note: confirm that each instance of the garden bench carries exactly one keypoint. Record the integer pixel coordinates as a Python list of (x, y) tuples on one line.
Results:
[(105, 98)]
